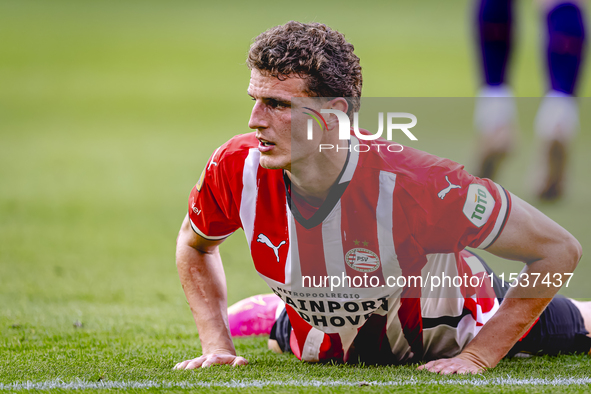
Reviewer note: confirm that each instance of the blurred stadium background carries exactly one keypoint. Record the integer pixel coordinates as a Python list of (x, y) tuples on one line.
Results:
[(109, 111)]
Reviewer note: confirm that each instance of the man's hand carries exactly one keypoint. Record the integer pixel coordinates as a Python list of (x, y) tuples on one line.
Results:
[(460, 365), (208, 360)]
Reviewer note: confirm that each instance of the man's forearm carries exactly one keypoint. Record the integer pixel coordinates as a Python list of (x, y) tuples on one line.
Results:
[(202, 277), (503, 330), (518, 312)]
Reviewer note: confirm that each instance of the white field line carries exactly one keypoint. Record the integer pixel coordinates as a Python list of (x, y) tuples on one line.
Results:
[(147, 384)]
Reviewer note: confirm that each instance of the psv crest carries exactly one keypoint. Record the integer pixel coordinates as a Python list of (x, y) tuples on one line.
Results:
[(362, 260)]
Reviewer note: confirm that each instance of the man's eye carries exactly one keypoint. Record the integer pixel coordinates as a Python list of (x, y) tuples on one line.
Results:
[(277, 104)]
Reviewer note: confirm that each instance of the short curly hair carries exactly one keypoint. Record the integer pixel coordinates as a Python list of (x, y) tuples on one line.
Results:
[(312, 51)]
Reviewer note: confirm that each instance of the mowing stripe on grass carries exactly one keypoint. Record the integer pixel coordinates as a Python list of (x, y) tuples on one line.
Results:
[(147, 384)]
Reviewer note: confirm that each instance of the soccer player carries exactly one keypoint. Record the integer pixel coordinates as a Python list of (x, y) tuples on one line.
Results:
[(318, 213), (557, 118)]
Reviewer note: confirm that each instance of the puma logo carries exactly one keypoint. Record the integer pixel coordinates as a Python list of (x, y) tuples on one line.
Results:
[(212, 157), (262, 238), (442, 193)]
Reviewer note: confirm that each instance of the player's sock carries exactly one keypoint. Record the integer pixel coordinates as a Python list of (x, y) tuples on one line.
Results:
[(495, 34), (254, 315), (557, 117), (495, 118), (495, 108), (556, 123), (566, 37)]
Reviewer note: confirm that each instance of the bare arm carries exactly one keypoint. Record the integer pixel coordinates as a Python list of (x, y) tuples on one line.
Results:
[(202, 276), (545, 247)]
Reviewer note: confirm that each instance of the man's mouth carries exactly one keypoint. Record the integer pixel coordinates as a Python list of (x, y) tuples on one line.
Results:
[(265, 146)]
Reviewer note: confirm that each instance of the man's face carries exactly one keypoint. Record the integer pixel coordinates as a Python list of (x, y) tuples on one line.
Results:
[(271, 117)]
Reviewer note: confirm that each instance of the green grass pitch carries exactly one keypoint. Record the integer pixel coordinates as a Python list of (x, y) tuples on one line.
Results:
[(108, 112)]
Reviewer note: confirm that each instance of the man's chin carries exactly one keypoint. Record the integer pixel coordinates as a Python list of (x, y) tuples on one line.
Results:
[(271, 164)]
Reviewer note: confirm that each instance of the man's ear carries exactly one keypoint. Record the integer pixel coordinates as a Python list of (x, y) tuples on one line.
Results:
[(339, 104)]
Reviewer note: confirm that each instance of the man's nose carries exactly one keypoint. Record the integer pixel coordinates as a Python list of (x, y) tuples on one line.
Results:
[(258, 116)]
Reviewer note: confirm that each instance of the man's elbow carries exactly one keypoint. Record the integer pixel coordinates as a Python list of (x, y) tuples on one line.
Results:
[(573, 250), (184, 243), (181, 250), (578, 249), (191, 246)]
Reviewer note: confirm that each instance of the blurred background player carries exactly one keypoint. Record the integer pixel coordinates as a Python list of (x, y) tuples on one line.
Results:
[(557, 118)]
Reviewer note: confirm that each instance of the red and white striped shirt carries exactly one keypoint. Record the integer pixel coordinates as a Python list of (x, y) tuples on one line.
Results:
[(389, 215)]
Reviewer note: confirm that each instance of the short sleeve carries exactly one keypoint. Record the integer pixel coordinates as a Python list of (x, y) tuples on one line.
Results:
[(459, 210), (212, 210)]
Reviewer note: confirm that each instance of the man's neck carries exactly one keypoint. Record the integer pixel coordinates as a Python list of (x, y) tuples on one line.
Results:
[(313, 178)]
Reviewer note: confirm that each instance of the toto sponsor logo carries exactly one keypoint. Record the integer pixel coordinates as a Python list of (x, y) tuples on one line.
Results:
[(362, 260)]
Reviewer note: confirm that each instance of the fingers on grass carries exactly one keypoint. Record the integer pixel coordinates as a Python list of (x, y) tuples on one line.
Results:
[(208, 361), (195, 363), (239, 361), (182, 365), (216, 359), (212, 360), (464, 371), (450, 369), (443, 367), (426, 367), (435, 366)]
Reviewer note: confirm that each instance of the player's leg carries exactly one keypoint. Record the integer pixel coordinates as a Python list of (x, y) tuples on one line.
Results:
[(372, 345), (262, 314), (567, 324), (557, 119), (267, 315), (584, 308), (563, 328), (294, 334), (280, 336), (495, 108)]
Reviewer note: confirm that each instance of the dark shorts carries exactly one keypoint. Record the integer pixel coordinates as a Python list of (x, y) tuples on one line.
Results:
[(560, 329), (281, 331)]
